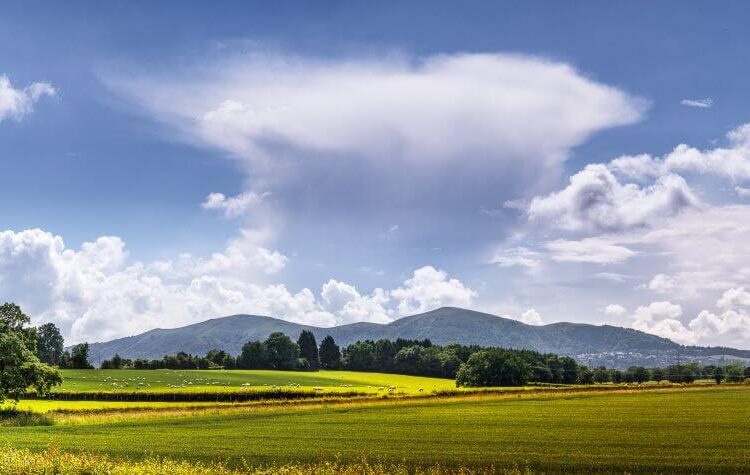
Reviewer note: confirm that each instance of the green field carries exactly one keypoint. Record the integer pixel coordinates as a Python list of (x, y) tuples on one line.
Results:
[(686, 430), (238, 380)]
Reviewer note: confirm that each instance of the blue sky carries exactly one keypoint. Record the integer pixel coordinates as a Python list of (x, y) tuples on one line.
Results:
[(375, 160)]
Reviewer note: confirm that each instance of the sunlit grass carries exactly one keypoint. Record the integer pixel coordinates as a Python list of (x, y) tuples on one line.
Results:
[(685, 429)]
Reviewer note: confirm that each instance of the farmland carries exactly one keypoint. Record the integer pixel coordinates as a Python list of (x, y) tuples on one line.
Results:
[(236, 380), (684, 429)]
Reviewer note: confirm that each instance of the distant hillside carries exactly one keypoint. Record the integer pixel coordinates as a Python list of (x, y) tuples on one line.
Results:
[(591, 344)]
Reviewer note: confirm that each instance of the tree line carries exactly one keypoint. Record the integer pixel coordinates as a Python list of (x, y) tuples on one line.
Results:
[(470, 365)]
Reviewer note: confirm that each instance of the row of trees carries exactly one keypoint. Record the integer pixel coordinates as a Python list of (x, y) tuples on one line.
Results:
[(470, 365), (416, 357), (681, 373), (50, 349)]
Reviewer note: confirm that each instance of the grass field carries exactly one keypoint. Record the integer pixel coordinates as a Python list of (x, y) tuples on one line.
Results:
[(237, 380), (684, 430)]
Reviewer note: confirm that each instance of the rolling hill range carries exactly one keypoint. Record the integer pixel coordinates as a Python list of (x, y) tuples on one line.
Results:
[(594, 345)]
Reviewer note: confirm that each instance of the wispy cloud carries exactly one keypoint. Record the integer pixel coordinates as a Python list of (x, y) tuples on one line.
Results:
[(700, 103), (17, 103)]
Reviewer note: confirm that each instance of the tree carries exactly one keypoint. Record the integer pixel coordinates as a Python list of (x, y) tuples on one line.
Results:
[(718, 374), (735, 373), (637, 374), (493, 367), (570, 370), (585, 375), (657, 374), (220, 359), (79, 357), (360, 356), (385, 351), (281, 351), (253, 356), (601, 375), (20, 368), (330, 354), (13, 320), (49, 344), (308, 349)]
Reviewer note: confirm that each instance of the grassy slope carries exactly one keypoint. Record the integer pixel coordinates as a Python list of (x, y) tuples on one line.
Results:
[(695, 430), (102, 380)]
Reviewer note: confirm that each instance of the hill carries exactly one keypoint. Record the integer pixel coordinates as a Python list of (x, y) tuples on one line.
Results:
[(591, 344)]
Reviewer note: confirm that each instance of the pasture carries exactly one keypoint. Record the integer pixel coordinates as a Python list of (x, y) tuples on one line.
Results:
[(237, 380), (665, 430)]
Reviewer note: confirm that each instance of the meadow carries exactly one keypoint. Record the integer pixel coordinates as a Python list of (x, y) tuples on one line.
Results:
[(674, 429), (237, 380)]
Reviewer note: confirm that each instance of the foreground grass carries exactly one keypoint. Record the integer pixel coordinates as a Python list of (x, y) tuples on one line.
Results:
[(693, 430), (52, 460)]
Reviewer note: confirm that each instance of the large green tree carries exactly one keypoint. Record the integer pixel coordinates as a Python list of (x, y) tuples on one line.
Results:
[(493, 367), (79, 357), (308, 349), (20, 369), (253, 356), (49, 345), (330, 353), (281, 351)]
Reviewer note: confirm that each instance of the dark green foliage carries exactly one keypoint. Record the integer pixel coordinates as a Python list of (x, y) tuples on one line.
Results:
[(385, 351), (308, 349), (281, 351), (253, 356), (718, 375), (657, 374), (637, 374), (495, 367), (115, 363), (360, 356), (20, 368), (79, 357), (221, 359), (13, 320), (585, 375), (49, 345), (330, 354)]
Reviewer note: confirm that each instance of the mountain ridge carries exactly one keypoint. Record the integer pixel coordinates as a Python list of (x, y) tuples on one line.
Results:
[(591, 344)]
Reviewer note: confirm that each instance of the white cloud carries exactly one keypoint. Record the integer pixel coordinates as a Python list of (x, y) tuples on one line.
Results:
[(590, 250), (595, 200), (350, 306), (94, 294), (234, 206), (615, 310), (742, 192), (516, 256), (429, 288), (17, 103), (386, 108), (531, 317), (731, 327), (387, 132), (662, 318), (732, 161), (637, 167), (734, 297), (699, 103)]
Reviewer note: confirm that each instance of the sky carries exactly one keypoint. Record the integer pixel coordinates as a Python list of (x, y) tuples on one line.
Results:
[(333, 162)]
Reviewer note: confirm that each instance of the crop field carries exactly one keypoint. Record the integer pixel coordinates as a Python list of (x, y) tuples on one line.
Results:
[(238, 380), (694, 429)]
